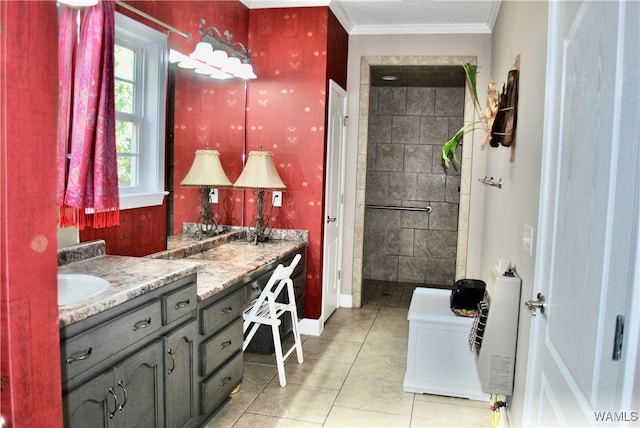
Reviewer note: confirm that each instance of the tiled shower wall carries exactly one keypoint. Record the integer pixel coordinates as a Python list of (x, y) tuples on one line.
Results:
[(407, 127)]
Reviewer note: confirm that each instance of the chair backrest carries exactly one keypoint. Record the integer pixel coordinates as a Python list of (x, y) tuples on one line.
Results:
[(279, 278)]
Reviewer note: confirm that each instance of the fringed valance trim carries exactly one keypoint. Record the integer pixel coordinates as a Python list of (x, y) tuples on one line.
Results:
[(84, 218)]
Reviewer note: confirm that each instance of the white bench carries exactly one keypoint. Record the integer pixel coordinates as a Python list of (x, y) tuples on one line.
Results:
[(438, 358)]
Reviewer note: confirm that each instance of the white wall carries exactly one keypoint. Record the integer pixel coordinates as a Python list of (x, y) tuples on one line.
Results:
[(521, 28), (497, 216), (387, 47)]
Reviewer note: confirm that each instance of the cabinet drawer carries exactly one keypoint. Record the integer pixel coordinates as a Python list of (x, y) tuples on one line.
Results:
[(179, 303), (85, 350), (218, 349), (221, 313), (215, 390)]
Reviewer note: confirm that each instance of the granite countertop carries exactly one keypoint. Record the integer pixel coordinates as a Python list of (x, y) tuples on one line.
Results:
[(219, 262), (226, 265), (129, 277)]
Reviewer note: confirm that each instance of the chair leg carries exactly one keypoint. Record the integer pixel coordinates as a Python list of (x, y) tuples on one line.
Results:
[(277, 344), (296, 335)]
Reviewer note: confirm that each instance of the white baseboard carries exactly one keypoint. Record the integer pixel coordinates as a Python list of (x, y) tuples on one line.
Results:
[(346, 301), (310, 327), (314, 327)]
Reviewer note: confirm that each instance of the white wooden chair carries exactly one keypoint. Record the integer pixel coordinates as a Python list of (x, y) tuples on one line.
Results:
[(265, 310)]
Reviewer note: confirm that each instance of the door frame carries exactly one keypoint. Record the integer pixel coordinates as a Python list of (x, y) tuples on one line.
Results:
[(464, 206)]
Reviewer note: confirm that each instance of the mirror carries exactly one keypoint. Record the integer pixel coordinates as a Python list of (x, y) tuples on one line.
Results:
[(206, 113)]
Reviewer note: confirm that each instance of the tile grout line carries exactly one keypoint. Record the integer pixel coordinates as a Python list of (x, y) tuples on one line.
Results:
[(351, 368)]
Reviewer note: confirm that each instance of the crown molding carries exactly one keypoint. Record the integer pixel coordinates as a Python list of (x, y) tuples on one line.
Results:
[(268, 4), (420, 29), (342, 16), (383, 29)]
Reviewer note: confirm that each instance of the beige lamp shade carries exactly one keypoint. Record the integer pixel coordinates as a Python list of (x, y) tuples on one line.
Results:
[(260, 173), (206, 171)]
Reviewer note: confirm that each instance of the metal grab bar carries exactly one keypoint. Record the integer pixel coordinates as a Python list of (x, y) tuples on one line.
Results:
[(426, 209)]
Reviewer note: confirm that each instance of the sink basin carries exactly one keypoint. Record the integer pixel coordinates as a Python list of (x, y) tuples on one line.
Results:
[(75, 288)]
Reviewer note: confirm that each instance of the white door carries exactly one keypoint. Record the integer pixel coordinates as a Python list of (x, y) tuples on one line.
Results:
[(586, 262), (333, 200)]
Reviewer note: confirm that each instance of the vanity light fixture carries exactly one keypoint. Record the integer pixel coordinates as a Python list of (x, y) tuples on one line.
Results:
[(216, 55), (206, 173), (259, 174)]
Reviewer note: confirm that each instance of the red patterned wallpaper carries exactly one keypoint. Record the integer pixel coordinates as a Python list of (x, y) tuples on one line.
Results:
[(286, 115), (29, 333), (142, 231)]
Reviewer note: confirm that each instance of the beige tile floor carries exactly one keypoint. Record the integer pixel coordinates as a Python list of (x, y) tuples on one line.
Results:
[(351, 377)]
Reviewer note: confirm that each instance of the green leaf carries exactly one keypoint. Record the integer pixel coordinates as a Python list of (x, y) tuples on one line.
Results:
[(449, 148), (471, 71)]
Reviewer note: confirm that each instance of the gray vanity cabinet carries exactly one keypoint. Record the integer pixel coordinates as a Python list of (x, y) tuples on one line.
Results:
[(220, 350), (133, 365), (127, 395), (91, 403), (220, 356), (180, 360)]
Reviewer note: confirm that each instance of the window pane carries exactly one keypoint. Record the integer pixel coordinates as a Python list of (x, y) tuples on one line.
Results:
[(124, 171), (128, 153), (125, 137), (128, 175), (125, 60), (124, 96)]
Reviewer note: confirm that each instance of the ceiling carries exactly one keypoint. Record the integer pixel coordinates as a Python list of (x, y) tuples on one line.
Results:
[(379, 17), (386, 17)]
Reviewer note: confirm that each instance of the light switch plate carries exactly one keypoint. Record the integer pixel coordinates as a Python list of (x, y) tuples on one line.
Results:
[(527, 239), (276, 199)]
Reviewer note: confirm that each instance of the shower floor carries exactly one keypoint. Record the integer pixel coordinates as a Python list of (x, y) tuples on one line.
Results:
[(390, 294)]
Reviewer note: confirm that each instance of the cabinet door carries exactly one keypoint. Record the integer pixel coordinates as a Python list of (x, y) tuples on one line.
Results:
[(179, 354), (93, 404), (140, 386)]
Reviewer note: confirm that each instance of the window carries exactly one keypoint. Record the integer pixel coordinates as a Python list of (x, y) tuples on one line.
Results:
[(140, 96)]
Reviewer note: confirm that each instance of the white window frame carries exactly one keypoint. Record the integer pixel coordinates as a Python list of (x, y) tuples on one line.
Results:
[(151, 45)]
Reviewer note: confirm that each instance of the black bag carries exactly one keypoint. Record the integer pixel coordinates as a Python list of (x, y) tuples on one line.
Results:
[(466, 294)]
